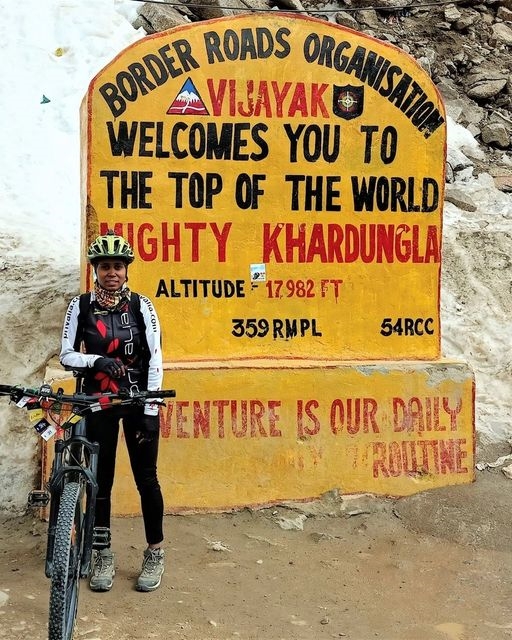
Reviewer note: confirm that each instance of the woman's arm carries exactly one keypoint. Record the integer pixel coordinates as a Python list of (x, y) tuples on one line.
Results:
[(154, 341), (69, 357)]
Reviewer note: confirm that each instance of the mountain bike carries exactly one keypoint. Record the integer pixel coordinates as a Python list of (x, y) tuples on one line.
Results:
[(71, 489)]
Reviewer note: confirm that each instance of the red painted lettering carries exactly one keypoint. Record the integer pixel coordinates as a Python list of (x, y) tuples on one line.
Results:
[(312, 427), (354, 415), (413, 457)]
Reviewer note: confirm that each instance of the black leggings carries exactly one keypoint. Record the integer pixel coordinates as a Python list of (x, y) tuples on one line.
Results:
[(103, 428)]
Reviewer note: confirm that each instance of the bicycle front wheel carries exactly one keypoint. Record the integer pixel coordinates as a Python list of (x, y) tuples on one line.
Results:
[(67, 554)]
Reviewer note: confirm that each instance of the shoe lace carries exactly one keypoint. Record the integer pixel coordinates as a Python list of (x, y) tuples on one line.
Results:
[(102, 564), (152, 560)]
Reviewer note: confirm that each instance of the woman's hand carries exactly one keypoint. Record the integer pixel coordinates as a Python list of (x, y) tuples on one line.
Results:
[(112, 367)]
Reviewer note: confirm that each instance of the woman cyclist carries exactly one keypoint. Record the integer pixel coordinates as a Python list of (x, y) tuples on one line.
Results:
[(114, 336)]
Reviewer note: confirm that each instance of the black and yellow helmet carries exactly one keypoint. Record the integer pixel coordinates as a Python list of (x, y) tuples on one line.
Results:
[(110, 246)]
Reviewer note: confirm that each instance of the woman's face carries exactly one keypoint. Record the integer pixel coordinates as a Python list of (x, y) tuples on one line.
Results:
[(111, 274)]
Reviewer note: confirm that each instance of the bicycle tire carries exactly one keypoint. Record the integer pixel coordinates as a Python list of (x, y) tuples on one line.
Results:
[(67, 554)]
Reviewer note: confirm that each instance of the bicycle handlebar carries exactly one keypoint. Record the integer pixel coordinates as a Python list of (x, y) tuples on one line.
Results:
[(82, 405), (45, 392)]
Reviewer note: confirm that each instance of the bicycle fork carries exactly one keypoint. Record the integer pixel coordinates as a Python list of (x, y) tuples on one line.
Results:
[(79, 449)]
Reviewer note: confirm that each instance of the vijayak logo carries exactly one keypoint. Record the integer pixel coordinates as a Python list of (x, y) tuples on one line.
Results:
[(188, 102), (347, 101)]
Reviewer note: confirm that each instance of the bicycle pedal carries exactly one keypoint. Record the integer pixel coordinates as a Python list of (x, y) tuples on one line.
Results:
[(38, 498), (101, 538)]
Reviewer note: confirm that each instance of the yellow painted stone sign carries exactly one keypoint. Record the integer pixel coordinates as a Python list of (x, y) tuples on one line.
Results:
[(282, 186)]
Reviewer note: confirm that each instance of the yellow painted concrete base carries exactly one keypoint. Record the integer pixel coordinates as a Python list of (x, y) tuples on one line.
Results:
[(260, 432)]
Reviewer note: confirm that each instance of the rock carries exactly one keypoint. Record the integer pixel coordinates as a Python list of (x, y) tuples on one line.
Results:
[(368, 18), (466, 20), (289, 4), (448, 89), (504, 14), (457, 160), (289, 524), (347, 20), (485, 84), (154, 19), (459, 198), (451, 13), (497, 134), (209, 9), (464, 112), (504, 183), (501, 33)]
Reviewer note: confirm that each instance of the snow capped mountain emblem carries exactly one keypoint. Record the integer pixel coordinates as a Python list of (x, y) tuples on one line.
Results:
[(188, 102)]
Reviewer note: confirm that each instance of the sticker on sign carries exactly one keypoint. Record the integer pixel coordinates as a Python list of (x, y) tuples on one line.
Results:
[(258, 272)]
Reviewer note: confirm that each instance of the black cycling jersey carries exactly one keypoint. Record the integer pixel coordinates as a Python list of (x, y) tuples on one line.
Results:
[(118, 333)]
